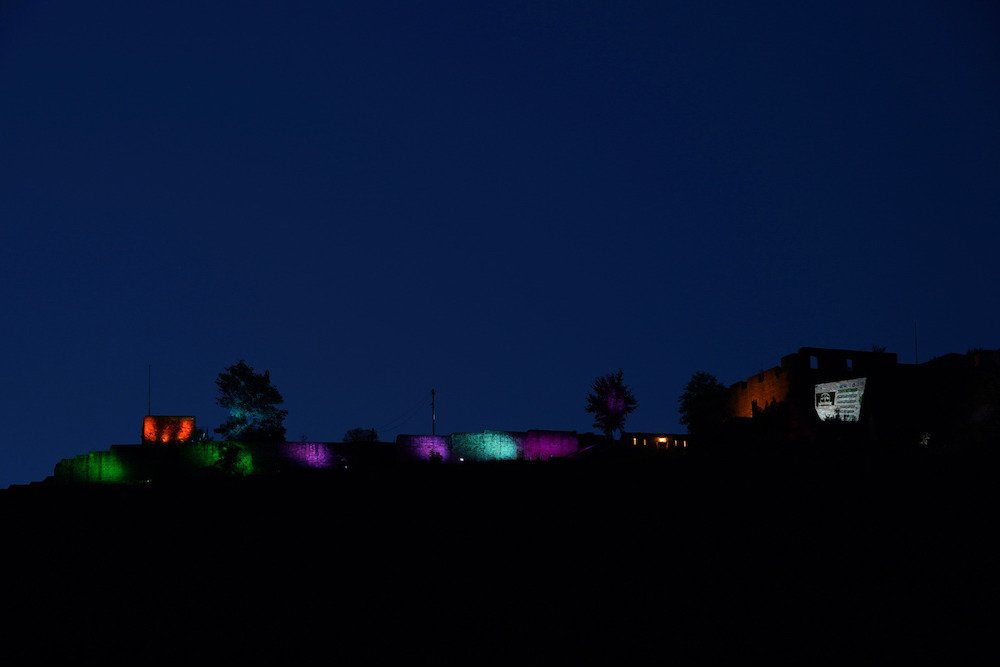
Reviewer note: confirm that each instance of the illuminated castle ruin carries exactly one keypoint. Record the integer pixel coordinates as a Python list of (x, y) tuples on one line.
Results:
[(950, 399), (793, 381), (893, 401)]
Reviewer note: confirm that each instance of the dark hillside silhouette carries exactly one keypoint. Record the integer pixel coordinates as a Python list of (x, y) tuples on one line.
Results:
[(760, 542), (695, 561)]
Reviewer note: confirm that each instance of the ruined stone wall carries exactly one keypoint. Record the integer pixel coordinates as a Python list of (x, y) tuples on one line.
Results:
[(93, 467), (486, 446), (792, 383), (421, 447), (167, 428), (543, 445), (312, 455), (507, 445), (758, 392), (132, 464)]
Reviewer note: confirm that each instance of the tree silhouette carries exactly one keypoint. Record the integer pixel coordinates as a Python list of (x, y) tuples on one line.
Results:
[(610, 401), (361, 435), (252, 403), (704, 405)]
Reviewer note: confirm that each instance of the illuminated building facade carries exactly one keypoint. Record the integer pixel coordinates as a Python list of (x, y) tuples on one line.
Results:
[(660, 441)]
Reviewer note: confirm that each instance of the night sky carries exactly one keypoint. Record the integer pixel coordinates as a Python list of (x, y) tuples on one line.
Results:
[(500, 200)]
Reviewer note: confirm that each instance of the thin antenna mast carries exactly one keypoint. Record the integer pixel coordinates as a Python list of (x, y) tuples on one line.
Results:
[(433, 414), (149, 390)]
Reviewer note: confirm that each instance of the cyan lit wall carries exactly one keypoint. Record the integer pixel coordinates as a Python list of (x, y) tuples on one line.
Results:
[(485, 446)]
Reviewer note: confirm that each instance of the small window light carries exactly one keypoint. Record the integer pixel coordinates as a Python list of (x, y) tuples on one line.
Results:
[(635, 441), (661, 439)]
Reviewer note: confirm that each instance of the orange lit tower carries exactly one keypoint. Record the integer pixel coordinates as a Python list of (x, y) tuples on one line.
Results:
[(163, 429)]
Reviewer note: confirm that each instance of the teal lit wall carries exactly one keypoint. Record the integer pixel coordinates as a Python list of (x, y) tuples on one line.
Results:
[(485, 446)]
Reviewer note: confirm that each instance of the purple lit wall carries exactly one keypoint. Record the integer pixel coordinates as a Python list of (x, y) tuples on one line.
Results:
[(546, 444), (315, 455), (421, 446)]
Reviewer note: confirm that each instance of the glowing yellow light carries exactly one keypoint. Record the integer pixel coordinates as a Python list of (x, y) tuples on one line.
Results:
[(635, 441), (661, 439)]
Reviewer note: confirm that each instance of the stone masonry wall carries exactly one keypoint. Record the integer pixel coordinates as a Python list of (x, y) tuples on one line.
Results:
[(758, 392)]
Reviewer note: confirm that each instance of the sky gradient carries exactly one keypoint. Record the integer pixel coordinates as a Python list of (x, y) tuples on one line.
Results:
[(499, 200)]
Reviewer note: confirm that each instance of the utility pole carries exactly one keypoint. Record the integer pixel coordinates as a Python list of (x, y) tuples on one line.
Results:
[(433, 415)]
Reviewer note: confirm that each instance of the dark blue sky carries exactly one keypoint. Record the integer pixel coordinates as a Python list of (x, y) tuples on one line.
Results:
[(500, 200)]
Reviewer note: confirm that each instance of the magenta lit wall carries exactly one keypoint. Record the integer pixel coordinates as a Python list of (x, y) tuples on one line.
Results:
[(541, 445), (421, 446), (309, 454)]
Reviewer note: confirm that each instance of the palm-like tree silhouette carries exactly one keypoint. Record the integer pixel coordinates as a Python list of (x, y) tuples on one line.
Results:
[(610, 401)]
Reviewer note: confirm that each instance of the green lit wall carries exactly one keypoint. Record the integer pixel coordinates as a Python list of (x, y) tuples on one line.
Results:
[(132, 464), (208, 454), (200, 454), (97, 467), (244, 462)]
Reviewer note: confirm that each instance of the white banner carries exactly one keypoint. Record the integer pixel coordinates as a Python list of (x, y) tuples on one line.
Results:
[(840, 399)]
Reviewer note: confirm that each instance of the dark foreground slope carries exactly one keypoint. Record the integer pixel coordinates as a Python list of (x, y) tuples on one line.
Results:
[(608, 563)]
